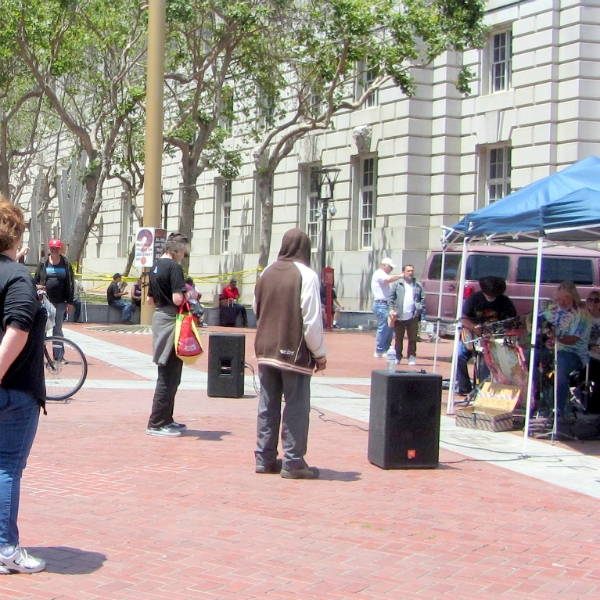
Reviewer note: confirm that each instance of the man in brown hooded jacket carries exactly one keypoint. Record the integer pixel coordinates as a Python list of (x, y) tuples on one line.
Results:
[(289, 346)]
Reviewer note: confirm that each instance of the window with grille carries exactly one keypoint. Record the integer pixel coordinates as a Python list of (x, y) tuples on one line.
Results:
[(226, 216), (363, 82), (498, 173), (367, 195), (500, 61)]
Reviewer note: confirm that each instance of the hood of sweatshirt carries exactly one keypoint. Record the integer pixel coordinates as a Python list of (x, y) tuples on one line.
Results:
[(295, 247)]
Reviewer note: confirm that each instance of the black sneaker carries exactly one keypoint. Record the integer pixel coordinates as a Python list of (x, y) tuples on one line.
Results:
[(177, 426), (272, 468), (303, 473), (163, 431)]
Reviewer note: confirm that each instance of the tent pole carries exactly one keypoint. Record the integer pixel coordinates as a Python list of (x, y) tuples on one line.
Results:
[(459, 307), (555, 382), (534, 330), (436, 329)]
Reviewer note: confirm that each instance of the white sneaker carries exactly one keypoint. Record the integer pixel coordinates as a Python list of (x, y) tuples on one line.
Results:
[(20, 562), (412, 361), (163, 431), (379, 354)]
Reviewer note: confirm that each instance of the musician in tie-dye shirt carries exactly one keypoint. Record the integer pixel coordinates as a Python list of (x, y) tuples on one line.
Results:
[(571, 325)]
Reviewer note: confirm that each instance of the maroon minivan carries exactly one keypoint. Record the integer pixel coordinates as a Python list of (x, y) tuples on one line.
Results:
[(514, 264)]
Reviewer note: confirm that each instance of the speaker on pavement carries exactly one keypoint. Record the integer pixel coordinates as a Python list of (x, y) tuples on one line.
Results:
[(226, 356), (404, 423)]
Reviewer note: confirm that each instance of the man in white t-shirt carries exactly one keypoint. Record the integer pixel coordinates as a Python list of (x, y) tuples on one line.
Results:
[(405, 304), (380, 286)]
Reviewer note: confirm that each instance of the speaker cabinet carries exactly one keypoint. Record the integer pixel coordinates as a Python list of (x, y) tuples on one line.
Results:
[(226, 356), (404, 423)]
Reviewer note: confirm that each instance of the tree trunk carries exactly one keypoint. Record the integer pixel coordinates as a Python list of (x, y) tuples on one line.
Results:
[(4, 169), (189, 196), (265, 197), (84, 221)]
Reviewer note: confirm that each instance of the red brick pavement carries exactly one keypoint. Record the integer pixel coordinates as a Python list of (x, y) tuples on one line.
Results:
[(118, 514)]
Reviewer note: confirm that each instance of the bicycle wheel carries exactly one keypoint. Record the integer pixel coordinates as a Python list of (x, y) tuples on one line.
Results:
[(65, 368)]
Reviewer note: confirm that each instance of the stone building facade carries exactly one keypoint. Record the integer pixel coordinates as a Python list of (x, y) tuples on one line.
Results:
[(408, 165)]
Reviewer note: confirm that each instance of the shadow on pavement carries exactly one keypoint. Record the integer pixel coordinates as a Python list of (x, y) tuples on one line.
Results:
[(209, 436), (329, 475), (68, 561)]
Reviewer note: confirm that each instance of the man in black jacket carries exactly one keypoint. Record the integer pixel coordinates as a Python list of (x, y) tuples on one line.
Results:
[(55, 275)]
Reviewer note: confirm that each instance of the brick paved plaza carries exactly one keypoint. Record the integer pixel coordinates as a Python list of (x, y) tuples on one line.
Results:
[(122, 515)]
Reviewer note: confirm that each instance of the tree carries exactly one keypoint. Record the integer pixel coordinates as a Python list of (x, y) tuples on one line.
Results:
[(85, 57), (20, 114), (212, 47), (313, 61)]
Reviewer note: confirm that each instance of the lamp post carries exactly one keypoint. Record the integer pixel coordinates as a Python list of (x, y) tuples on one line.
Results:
[(329, 177), (165, 199)]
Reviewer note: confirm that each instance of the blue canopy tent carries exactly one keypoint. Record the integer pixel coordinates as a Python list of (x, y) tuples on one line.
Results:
[(537, 207), (563, 208)]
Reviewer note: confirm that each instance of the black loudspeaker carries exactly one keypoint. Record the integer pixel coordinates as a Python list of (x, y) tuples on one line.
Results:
[(226, 356), (228, 316), (404, 423)]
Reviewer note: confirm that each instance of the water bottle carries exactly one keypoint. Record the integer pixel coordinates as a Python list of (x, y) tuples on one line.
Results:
[(391, 360)]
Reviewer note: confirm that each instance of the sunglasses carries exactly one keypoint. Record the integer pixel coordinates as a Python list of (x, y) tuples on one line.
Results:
[(594, 300)]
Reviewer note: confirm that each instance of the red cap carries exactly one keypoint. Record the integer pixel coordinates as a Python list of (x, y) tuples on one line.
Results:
[(54, 243)]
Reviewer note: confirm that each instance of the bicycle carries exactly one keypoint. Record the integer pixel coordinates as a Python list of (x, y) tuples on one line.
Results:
[(65, 368)]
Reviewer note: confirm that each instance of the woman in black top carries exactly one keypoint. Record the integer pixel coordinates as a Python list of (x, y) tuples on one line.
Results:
[(167, 291), (22, 388)]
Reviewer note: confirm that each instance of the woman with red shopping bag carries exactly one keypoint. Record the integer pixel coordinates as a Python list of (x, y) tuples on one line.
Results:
[(167, 291)]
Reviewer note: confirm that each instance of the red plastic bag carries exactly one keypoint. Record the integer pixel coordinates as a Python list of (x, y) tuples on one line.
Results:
[(188, 346)]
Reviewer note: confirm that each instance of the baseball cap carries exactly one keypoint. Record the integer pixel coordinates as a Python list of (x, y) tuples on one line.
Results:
[(54, 243), (388, 261)]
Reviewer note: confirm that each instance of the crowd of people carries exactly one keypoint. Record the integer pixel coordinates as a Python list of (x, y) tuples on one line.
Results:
[(289, 303), (568, 323)]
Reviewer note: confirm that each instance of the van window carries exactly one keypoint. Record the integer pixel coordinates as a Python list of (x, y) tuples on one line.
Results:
[(555, 270), (483, 265), (451, 265)]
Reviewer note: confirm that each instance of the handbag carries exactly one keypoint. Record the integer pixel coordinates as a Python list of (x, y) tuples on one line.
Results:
[(187, 338), (51, 311)]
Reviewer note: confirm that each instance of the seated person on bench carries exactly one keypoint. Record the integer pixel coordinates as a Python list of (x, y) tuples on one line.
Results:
[(486, 306), (230, 296), (114, 295)]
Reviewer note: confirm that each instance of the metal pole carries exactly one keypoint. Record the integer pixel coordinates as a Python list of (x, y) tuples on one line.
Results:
[(534, 324), (457, 333), (325, 202), (154, 123)]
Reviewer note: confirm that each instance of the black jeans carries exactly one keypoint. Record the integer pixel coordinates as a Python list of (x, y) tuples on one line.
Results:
[(163, 403)]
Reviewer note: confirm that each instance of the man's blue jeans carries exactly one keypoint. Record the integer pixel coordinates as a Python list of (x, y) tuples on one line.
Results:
[(465, 383), (566, 363), (125, 307), (384, 336), (19, 415)]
